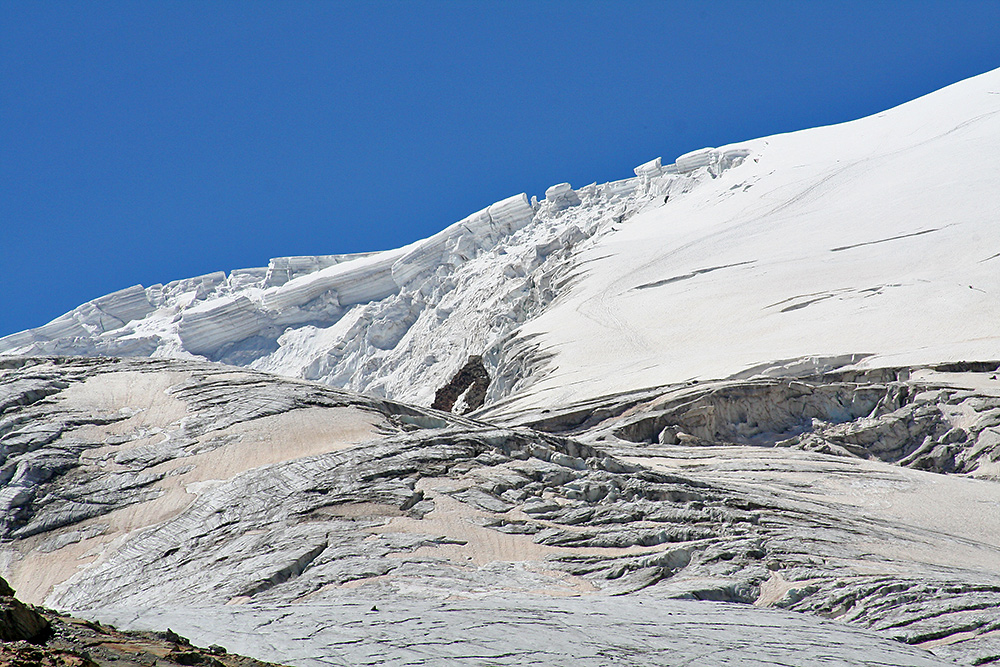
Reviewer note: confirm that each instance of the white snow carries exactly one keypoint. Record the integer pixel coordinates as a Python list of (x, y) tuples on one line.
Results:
[(694, 159), (880, 236), (871, 242)]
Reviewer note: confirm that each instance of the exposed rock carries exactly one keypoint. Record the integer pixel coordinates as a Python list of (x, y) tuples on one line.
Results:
[(467, 388), (78, 643), (35, 637), (18, 622), (23, 654)]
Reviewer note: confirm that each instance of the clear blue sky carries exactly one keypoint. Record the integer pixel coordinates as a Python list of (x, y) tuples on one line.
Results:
[(142, 142)]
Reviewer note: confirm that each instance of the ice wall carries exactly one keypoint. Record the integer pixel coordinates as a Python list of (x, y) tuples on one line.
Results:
[(396, 323), (91, 319)]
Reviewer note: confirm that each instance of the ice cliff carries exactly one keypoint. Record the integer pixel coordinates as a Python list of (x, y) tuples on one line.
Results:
[(394, 323)]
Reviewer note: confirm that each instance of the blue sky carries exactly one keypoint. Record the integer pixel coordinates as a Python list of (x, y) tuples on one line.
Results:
[(143, 142)]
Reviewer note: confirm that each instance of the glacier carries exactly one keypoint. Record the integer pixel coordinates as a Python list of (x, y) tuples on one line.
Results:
[(760, 379)]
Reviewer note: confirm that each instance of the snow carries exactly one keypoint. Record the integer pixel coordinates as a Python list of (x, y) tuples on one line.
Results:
[(203, 327), (873, 242), (649, 169), (873, 237), (694, 159)]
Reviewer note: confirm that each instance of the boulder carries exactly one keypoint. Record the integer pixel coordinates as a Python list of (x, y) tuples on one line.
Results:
[(18, 621)]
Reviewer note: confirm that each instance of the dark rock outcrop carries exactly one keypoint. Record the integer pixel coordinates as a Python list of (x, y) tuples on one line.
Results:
[(470, 384), (19, 622), (36, 637)]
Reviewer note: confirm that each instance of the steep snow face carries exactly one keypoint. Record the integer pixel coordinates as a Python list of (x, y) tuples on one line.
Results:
[(870, 242), (874, 242)]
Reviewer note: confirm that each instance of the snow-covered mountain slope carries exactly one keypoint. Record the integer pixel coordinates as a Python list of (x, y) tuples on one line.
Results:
[(877, 237), (870, 243)]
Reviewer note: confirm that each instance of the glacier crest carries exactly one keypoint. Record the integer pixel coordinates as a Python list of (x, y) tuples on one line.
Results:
[(397, 323)]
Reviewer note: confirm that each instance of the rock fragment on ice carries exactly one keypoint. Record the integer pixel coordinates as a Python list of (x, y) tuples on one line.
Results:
[(467, 389)]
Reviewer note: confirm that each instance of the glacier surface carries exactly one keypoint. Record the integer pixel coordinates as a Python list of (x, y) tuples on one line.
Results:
[(765, 375)]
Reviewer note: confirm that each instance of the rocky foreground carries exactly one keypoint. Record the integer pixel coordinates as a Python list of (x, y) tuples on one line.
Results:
[(312, 526), (36, 637)]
